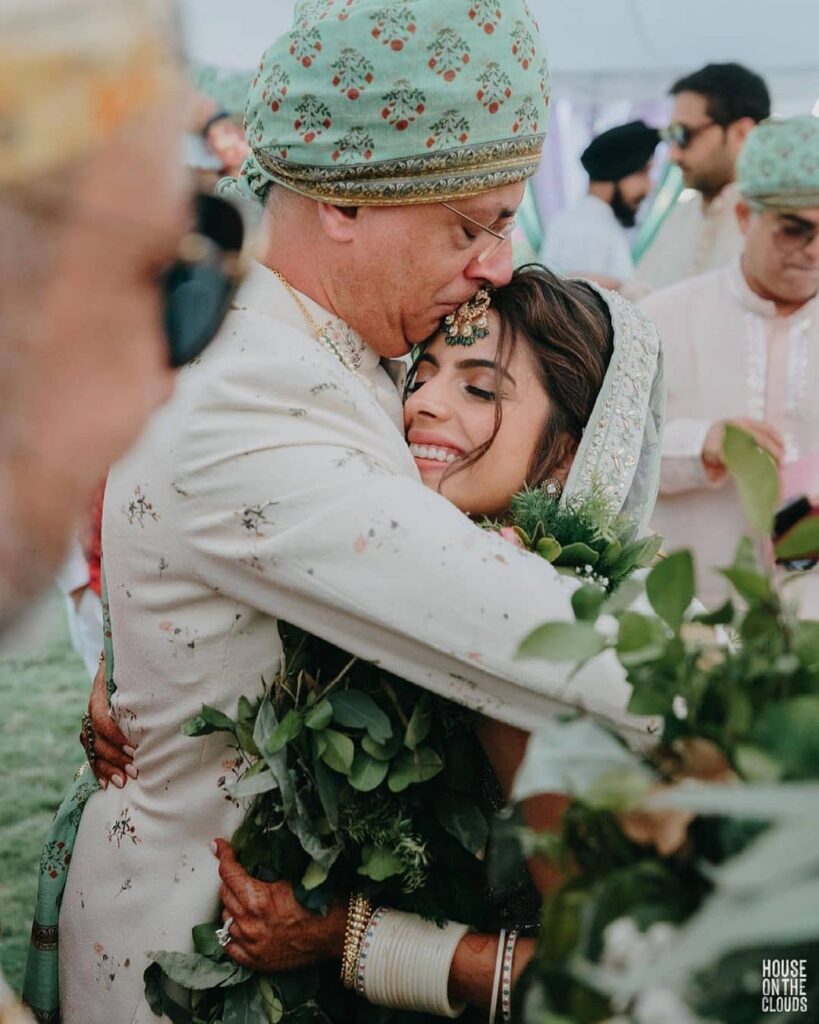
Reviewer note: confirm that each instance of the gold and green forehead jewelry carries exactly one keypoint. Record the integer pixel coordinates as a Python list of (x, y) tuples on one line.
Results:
[(470, 322)]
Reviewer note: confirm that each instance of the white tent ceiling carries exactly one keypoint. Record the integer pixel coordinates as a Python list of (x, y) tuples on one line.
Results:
[(599, 49)]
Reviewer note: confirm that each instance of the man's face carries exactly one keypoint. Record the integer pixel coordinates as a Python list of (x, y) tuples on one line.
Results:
[(629, 192), (781, 255), (707, 162), (411, 266)]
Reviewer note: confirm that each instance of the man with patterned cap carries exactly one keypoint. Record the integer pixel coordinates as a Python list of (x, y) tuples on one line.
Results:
[(390, 144), (742, 346), (589, 239), (89, 110)]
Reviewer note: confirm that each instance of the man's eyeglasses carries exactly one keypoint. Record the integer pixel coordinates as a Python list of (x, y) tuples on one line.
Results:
[(790, 234), (499, 236), (683, 135), (198, 287)]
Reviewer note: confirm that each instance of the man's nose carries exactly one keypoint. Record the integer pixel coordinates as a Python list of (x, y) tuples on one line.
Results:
[(495, 271)]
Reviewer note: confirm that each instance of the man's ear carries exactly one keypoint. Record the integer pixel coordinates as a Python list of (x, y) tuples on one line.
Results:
[(339, 222), (743, 212), (738, 132)]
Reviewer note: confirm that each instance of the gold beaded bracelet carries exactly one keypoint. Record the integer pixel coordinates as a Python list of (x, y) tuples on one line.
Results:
[(359, 912)]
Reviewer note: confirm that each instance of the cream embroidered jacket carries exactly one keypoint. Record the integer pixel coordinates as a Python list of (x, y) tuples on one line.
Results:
[(277, 484)]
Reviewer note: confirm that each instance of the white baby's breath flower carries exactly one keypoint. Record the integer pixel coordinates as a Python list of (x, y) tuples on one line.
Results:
[(623, 944), (661, 1006)]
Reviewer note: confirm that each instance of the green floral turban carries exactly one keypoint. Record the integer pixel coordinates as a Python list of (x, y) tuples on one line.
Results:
[(778, 167), (369, 102)]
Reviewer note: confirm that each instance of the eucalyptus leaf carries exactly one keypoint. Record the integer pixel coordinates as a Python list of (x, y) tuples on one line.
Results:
[(271, 1003), (806, 644), (314, 875), (419, 724), (244, 734), (266, 724), (253, 785), (243, 1005), (413, 766), (790, 800), (367, 773), (570, 757), (640, 553), (463, 819), (587, 602), (755, 475), (382, 751), (577, 554), (670, 587), (562, 641), (549, 548), (220, 721), (800, 542), (639, 638), (357, 710), (320, 716), (379, 863), (337, 751), (752, 586), (205, 941), (245, 711), (286, 731), (198, 972), (722, 616), (328, 785)]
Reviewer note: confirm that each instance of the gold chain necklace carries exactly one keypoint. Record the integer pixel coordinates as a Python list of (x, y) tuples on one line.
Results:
[(322, 333)]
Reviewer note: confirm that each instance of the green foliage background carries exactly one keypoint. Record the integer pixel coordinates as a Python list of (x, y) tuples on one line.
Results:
[(43, 693)]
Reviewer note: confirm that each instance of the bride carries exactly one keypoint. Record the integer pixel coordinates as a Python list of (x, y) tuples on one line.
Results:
[(524, 405), (564, 390)]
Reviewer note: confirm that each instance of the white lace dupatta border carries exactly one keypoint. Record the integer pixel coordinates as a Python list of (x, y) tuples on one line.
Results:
[(619, 454)]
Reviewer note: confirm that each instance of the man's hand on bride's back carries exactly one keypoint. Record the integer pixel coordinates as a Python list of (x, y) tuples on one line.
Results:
[(113, 756), (270, 930)]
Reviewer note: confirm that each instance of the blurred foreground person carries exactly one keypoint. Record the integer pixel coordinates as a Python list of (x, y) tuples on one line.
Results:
[(714, 110), (742, 346), (589, 239), (92, 208)]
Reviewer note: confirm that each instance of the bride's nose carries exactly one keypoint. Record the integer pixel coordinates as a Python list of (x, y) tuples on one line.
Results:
[(430, 401)]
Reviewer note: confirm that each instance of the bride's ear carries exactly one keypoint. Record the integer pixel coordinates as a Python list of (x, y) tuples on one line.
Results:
[(562, 469)]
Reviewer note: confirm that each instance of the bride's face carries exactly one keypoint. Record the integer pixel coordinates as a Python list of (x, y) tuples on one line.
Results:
[(451, 413)]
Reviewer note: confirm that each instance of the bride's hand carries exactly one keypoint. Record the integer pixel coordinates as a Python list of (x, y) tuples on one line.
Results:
[(113, 756), (271, 931)]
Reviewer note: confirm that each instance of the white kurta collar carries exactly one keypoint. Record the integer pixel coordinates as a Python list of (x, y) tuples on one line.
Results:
[(263, 291)]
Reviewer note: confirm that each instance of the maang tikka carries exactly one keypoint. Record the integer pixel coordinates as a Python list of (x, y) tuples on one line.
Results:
[(469, 322)]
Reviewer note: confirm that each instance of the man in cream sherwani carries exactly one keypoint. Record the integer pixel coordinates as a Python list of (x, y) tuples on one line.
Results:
[(391, 145)]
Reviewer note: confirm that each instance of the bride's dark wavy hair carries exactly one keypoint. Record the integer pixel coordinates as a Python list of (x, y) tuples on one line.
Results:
[(566, 326)]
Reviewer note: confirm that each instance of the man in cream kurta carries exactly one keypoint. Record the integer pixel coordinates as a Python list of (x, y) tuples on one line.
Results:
[(742, 344), (278, 483)]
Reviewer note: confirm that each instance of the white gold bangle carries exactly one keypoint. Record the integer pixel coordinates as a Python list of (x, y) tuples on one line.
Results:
[(506, 977), (404, 962), (493, 1003)]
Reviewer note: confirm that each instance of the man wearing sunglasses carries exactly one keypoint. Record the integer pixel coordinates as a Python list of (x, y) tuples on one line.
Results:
[(714, 110), (742, 346)]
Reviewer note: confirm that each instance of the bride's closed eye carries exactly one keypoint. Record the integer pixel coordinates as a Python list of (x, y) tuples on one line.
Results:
[(482, 393)]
